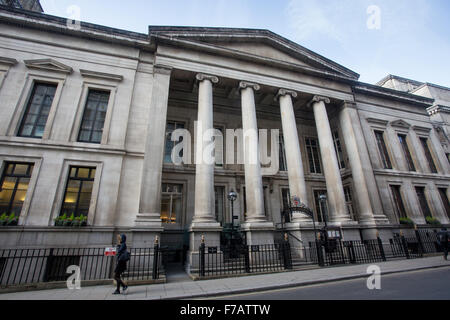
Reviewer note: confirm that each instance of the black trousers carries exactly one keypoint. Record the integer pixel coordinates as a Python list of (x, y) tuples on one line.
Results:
[(119, 281)]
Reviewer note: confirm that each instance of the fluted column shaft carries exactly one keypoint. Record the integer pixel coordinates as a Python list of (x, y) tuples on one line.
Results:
[(297, 184), (253, 178), (204, 172), (335, 191)]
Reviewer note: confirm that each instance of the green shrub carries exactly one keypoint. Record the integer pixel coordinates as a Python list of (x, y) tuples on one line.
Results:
[(433, 221), (406, 221)]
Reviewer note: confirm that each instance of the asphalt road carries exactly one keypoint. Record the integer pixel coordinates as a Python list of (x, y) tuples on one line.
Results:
[(430, 284)]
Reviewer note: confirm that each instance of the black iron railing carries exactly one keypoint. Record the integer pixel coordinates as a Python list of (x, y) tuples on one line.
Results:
[(335, 251), (229, 260), (23, 266)]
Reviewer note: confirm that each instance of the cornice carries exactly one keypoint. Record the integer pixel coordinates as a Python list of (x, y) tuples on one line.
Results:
[(8, 61), (101, 75), (366, 88)]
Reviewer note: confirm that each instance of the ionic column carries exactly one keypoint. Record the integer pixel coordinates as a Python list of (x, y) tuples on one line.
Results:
[(356, 149), (337, 211), (150, 198), (252, 166), (204, 224), (297, 185), (204, 172)]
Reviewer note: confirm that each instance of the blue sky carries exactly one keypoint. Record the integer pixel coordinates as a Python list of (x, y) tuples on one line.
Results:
[(408, 38)]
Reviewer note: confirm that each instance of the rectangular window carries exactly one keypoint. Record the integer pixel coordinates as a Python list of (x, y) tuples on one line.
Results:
[(14, 185), (77, 196), (338, 148), (398, 202), (171, 203), (428, 155), (349, 202), (312, 149), (444, 198), (379, 135), (407, 154), (286, 198), (420, 191), (37, 110), (321, 210), (219, 193), (218, 147), (94, 116), (282, 154), (171, 127)]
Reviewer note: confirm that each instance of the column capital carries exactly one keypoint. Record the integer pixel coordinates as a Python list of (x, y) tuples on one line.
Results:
[(162, 69), (317, 98), (204, 76), (283, 92), (245, 84)]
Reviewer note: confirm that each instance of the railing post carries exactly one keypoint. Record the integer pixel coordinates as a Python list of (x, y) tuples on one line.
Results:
[(48, 265), (287, 253), (319, 250), (404, 245), (247, 259), (155, 271), (419, 240), (202, 257), (380, 246)]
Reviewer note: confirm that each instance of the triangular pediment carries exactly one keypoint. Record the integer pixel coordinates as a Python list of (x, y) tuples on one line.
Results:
[(252, 45), (48, 65), (400, 124)]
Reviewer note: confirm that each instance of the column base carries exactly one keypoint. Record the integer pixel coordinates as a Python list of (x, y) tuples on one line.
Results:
[(211, 232), (259, 232), (151, 220)]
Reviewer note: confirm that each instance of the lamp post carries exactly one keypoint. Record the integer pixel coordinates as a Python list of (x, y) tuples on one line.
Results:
[(232, 197), (323, 202)]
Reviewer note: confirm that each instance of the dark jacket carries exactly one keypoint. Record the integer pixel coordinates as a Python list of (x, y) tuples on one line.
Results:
[(442, 237), (121, 249)]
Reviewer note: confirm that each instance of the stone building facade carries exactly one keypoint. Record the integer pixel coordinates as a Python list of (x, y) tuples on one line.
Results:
[(87, 114)]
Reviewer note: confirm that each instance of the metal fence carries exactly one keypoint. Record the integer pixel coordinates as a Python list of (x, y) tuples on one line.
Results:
[(335, 251), (229, 260), (24, 266)]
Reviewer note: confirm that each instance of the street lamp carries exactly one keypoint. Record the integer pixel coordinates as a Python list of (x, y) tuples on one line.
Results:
[(232, 197), (323, 206)]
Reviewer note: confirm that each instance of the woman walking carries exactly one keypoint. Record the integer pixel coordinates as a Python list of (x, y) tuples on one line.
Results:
[(121, 265)]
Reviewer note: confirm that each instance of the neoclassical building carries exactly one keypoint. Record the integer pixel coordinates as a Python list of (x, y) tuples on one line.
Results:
[(88, 112)]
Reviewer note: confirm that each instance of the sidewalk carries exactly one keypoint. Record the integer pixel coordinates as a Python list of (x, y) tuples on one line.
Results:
[(187, 289)]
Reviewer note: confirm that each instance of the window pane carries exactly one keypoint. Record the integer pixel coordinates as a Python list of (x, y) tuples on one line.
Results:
[(21, 169), (37, 110), (94, 116), (79, 191), (428, 155)]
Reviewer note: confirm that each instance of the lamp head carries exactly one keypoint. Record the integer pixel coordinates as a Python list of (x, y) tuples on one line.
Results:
[(232, 195)]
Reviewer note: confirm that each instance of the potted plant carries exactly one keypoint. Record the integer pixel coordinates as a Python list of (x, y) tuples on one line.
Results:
[(69, 221), (406, 221), (59, 221), (433, 221), (12, 220), (83, 220), (3, 219)]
